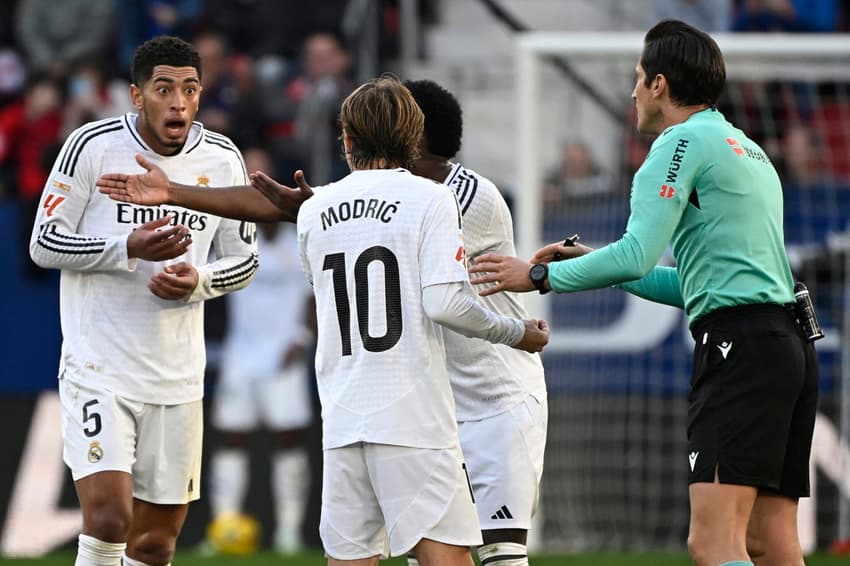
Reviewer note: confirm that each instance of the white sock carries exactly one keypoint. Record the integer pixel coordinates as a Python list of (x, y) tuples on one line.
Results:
[(290, 481), (228, 480), (411, 561), (503, 554), (94, 552), (131, 562)]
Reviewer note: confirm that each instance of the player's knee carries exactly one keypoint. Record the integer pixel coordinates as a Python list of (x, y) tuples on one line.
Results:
[(155, 548), (503, 554), (109, 521)]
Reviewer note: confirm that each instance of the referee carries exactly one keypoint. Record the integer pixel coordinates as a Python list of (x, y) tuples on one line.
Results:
[(712, 193)]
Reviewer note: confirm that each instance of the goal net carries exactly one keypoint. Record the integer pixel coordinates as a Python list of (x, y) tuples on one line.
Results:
[(618, 367)]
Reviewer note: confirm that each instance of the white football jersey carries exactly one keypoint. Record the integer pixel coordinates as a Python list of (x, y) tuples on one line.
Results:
[(369, 244), (487, 378), (268, 316), (117, 335)]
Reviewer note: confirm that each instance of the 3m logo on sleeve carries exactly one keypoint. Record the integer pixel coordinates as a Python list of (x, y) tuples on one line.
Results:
[(52, 202)]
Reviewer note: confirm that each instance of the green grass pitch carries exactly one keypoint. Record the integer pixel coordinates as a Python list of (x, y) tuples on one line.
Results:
[(316, 559)]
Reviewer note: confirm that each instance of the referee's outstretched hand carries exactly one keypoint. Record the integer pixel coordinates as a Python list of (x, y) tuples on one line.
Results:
[(536, 336), (149, 188), (506, 273), (287, 199), (558, 252)]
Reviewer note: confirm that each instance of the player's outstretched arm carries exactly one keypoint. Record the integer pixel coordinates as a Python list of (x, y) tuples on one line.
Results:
[(149, 188), (154, 187), (536, 336), (507, 273), (287, 199)]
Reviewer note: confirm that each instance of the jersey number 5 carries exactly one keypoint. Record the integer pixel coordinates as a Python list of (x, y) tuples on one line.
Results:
[(92, 429), (392, 298)]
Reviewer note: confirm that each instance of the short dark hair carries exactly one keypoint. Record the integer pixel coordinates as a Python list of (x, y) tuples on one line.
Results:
[(383, 123), (688, 58), (163, 50), (443, 117)]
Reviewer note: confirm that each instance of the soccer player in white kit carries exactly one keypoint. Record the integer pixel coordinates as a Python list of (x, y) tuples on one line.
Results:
[(264, 380), (500, 392), (132, 291), (383, 247)]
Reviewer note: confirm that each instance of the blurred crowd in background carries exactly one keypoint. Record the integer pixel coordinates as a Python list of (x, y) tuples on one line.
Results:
[(274, 74)]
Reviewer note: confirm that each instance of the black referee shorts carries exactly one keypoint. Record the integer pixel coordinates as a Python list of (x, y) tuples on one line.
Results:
[(754, 395)]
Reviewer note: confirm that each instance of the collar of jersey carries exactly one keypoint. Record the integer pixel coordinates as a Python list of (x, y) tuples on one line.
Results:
[(196, 134)]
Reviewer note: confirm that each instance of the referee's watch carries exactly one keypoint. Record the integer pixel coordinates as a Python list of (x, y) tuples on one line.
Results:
[(538, 273)]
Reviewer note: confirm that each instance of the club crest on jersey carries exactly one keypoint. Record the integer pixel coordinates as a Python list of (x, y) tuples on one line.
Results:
[(203, 181), (95, 452)]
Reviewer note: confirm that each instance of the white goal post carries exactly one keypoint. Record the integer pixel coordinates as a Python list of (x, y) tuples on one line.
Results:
[(818, 58), (532, 46)]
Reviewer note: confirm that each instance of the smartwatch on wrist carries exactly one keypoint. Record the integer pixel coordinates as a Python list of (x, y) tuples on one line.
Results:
[(538, 273)]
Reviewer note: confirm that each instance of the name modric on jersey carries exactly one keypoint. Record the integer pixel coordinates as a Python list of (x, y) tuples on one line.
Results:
[(344, 211)]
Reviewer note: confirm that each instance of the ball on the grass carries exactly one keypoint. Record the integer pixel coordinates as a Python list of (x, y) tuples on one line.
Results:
[(234, 534)]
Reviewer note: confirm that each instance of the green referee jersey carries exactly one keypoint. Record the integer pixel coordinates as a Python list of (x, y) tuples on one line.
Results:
[(713, 193)]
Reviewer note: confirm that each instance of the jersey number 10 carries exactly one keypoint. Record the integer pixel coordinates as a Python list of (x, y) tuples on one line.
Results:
[(392, 298)]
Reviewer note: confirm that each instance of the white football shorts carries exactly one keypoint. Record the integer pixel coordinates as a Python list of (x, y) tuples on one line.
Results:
[(379, 499), (280, 402), (159, 445), (504, 459)]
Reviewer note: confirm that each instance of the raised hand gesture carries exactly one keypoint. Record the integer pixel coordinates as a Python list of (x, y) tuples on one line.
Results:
[(153, 242), (558, 252), (507, 273), (285, 198), (149, 188)]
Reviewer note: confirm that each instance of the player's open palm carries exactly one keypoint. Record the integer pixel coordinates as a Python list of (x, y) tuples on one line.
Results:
[(536, 336), (285, 198), (175, 282), (153, 241), (149, 188)]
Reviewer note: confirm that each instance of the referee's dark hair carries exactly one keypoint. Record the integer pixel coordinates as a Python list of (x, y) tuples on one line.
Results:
[(688, 58), (443, 117), (163, 50)]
